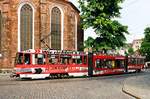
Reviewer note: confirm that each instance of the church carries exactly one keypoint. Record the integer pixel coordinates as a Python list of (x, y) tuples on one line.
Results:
[(37, 24)]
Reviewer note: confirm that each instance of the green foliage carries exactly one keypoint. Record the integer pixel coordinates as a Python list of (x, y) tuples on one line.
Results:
[(92, 43), (145, 46), (89, 42), (130, 51), (100, 14)]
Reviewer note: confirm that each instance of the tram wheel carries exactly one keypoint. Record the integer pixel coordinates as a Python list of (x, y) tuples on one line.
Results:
[(138, 70)]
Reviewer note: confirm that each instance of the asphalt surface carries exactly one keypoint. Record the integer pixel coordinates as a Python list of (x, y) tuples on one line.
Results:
[(105, 87)]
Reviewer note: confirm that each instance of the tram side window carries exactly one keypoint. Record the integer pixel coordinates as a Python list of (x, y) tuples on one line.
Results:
[(103, 63), (120, 63), (99, 63), (27, 58), (40, 59), (53, 59), (132, 61), (19, 58), (109, 64), (65, 61), (77, 59), (140, 61), (129, 61)]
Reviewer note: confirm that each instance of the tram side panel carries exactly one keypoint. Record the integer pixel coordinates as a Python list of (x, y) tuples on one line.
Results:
[(107, 64), (68, 65), (135, 64)]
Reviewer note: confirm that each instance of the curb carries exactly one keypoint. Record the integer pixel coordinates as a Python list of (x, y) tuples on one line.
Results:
[(130, 94), (127, 92)]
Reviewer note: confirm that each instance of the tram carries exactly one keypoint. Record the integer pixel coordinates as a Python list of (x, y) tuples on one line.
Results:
[(36, 64)]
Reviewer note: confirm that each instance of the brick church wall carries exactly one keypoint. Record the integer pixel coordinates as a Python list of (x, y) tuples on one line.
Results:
[(9, 9)]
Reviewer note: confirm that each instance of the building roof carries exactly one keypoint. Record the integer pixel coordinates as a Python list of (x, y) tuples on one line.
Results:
[(70, 3)]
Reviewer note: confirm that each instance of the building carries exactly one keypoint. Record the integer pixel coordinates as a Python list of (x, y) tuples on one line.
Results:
[(30, 24), (136, 44)]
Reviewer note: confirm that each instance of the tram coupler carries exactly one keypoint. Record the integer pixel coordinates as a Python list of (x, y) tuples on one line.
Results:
[(13, 75)]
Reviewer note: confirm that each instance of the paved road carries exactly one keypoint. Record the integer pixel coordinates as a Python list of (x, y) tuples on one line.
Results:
[(138, 86), (106, 87)]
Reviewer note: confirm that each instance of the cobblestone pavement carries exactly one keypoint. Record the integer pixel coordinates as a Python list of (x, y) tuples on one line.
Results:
[(138, 86), (105, 87)]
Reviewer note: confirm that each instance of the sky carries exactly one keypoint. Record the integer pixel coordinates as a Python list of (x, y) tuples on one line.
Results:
[(134, 13)]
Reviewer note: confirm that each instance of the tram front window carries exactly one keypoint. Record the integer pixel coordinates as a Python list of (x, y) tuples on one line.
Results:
[(27, 58), (19, 58)]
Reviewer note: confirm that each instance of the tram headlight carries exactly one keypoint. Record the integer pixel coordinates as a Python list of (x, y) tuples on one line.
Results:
[(16, 70)]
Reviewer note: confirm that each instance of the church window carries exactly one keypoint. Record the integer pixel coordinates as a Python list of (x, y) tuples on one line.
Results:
[(56, 28), (0, 31), (26, 27)]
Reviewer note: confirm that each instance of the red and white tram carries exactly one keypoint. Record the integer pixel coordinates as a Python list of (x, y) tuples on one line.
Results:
[(58, 64)]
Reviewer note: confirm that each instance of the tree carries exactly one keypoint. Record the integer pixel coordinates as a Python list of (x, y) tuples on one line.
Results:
[(89, 42), (130, 51), (100, 14), (145, 46)]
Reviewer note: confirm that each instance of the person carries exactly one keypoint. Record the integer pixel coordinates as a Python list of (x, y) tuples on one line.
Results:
[(27, 61)]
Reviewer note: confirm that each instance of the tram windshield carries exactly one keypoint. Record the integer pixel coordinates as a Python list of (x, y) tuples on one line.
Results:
[(19, 58), (23, 58)]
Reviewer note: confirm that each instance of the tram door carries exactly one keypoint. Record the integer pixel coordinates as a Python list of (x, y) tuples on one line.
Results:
[(90, 64), (121, 63)]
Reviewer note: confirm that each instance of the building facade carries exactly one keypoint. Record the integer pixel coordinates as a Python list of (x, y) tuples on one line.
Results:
[(34, 24), (136, 44)]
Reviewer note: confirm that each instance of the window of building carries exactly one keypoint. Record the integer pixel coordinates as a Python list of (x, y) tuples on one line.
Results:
[(26, 27), (56, 28), (0, 31)]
